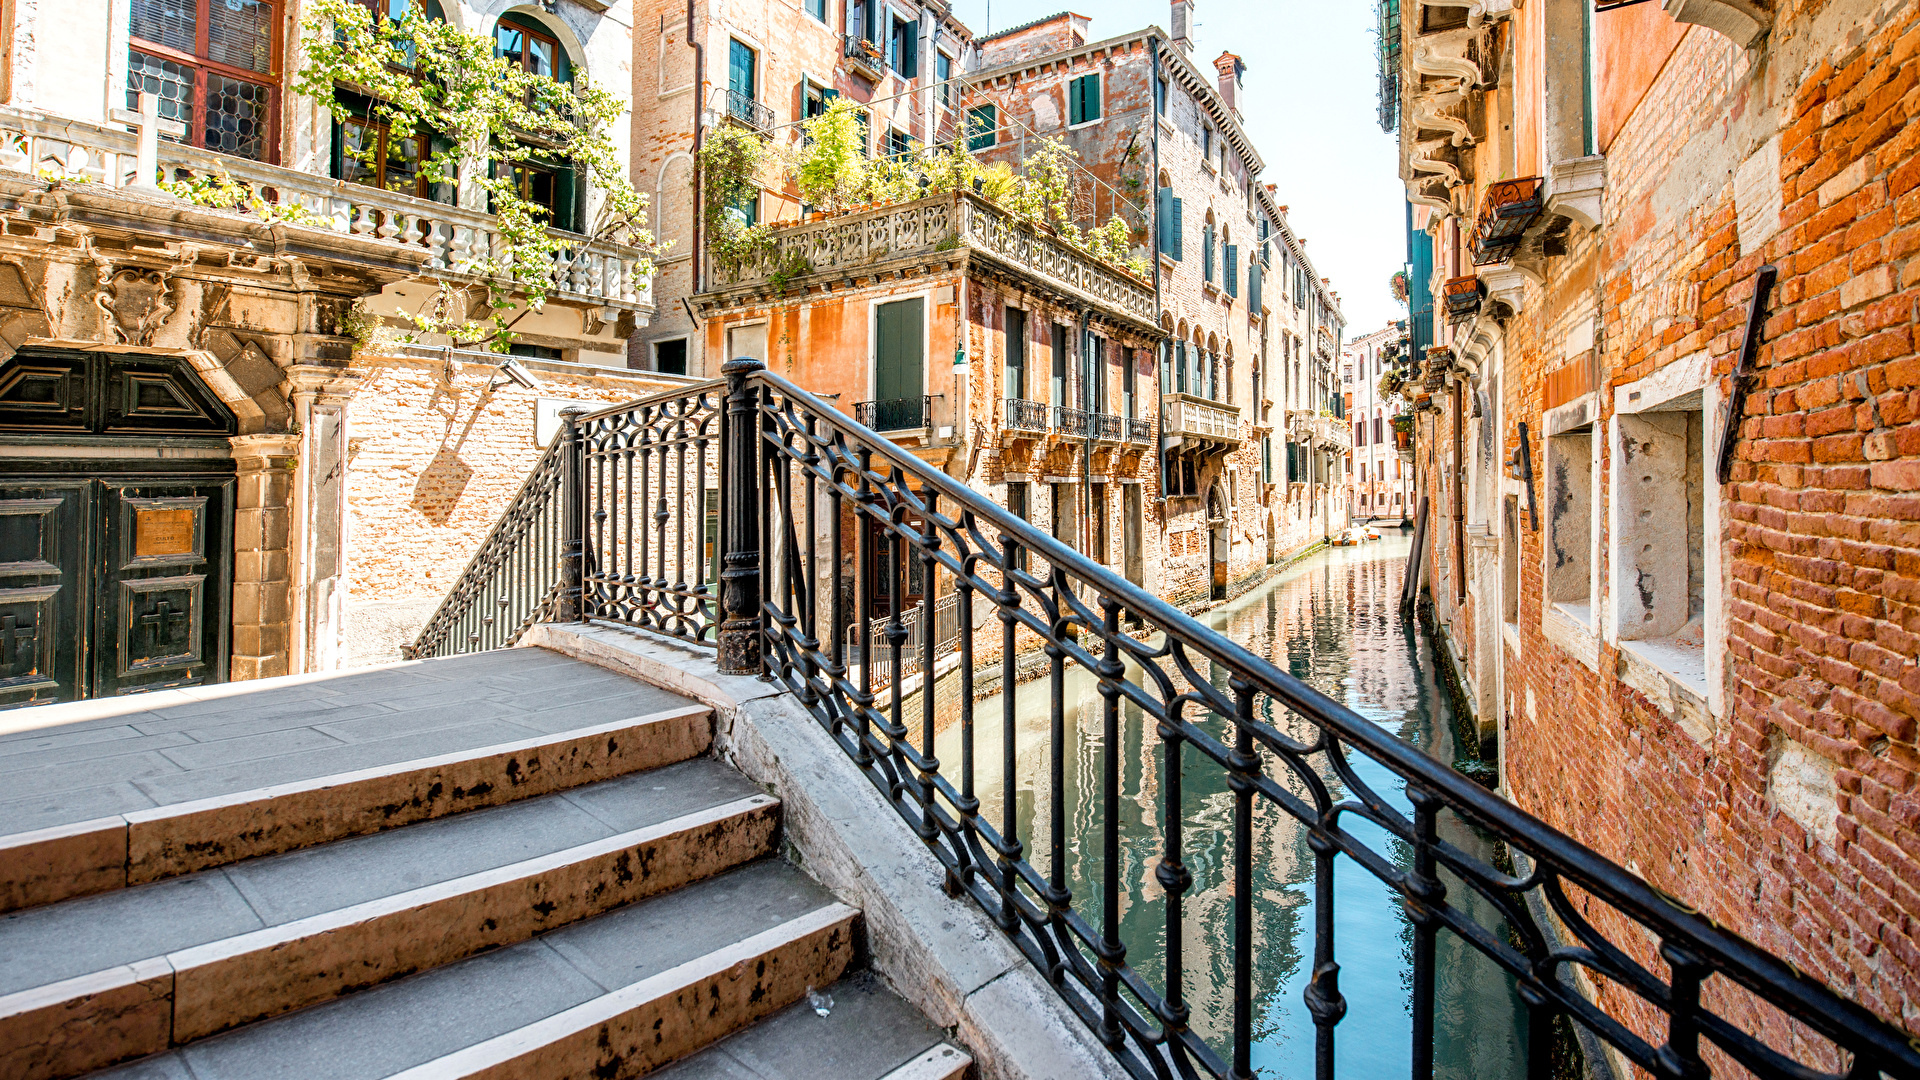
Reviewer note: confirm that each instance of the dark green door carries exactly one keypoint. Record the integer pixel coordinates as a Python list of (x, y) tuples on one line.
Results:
[(161, 618), (42, 589), (899, 355)]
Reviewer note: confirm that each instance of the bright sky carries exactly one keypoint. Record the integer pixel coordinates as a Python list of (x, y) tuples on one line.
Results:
[(1310, 106)]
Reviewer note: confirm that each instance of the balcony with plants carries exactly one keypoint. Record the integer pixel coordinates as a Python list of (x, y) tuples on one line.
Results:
[(487, 221), (931, 204)]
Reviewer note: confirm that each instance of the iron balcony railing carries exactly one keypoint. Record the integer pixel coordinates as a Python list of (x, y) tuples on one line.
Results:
[(896, 414), (1024, 415), (1106, 427), (802, 495), (752, 113), (1069, 421), (1140, 431)]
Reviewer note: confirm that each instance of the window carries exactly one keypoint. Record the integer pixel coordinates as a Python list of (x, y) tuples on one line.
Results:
[(899, 145), (1064, 504), (1017, 506), (740, 69), (899, 357), (866, 133), (1659, 558), (1509, 559), (535, 52), (817, 100), (1016, 353), (1206, 253), (367, 152), (213, 67), (983, 123), (943, 72), (1206, 146), (1376, 429), (1059, 382), (1093, 350), (746, 211), (902, 48), (670, 356), (1360, 433), (1129, 379), (525, 45), (1097, 522), (1160, 95), (1233, 270), (1266, 460), (1083, 99), (1569, 474), (535, 352), (1167, 214), (817, 9), (1254, 303), (1179, 367)]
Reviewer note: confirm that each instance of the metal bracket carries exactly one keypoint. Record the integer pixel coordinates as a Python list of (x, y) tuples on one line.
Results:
[(1735, 406), (1523, 464)]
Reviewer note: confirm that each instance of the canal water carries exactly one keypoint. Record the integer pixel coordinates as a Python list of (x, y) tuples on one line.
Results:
[(1332, 620)]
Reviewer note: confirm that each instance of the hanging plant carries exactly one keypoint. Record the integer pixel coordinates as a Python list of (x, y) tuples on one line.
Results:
[(730, 162), (491, 119), (1398, 285)]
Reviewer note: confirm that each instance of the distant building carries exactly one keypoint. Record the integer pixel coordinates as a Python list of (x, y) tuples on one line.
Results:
[(1381, 479)]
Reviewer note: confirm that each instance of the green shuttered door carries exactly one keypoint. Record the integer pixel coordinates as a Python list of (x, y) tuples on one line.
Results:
[(899, 359)]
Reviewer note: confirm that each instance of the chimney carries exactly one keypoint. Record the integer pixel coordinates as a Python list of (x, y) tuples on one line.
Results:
[(1183, 24), (1230, 69)]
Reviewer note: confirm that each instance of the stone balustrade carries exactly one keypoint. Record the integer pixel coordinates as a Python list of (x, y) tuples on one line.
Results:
[(55, 148), (850, 243), (1201, 420)]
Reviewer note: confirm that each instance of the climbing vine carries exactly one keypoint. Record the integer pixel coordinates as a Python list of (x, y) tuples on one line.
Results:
[(485, 120)]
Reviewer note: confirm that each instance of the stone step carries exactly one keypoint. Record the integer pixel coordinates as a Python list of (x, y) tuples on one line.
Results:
[(617, 995), (100, 979), (868, 1033), (192, 781)]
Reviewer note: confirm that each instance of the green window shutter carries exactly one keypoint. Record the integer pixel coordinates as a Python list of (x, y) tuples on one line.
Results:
[(1206, 252), (899, 364), (1253, 288), (1163, 220), (1179, 242), (910, 50), (981, 124), (740, 69), (1233, 270)]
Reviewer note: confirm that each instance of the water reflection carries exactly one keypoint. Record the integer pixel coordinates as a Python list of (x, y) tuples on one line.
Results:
[(1332, 621)]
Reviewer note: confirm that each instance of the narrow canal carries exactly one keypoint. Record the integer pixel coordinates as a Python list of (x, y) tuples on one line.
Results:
[(1332, 620)]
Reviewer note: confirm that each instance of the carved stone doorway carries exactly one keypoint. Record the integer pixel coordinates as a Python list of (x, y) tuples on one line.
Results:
[(116, 526)]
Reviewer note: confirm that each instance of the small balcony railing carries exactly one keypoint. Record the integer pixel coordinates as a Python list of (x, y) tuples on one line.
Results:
[(1463, 296), (1024, 415), (1506, 211), (1069, 421), (895, 414), (1140, 431), (1107, 427), (747, 111), (865, 56)]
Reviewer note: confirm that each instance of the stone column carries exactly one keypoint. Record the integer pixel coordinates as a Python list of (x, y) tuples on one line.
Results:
[(262, 579), (320, 397)]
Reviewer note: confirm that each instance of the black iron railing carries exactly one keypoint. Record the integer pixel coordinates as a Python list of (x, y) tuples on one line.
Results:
[(895, 414), (1069, 421), (1106, 427), (752, 113), (1024, 415), (1139, 431), (820, 515)]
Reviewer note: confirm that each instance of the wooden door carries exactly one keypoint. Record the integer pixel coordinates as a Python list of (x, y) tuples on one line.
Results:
[(160, 619), (44, 529)]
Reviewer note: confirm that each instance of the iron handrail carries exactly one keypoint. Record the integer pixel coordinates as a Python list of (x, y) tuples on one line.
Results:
[(890, 486)]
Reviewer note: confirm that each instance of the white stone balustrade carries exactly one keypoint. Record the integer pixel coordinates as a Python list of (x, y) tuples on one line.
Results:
[(853, 242), (1197, 418), (52, 147)]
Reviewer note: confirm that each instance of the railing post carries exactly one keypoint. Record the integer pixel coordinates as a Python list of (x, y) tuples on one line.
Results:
[(573, 526), (739, 528)]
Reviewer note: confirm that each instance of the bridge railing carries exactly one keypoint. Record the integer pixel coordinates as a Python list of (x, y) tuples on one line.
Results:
[(817, 515)]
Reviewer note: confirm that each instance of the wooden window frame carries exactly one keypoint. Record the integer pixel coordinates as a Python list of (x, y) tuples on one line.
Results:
[(203, 65)]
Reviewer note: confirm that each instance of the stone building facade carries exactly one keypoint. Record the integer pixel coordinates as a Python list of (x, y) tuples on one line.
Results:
[(184, 389), (1381, 479), (1686, 601)]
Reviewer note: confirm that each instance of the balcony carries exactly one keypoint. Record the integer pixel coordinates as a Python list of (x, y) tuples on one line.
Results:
[(1322, 430), (1108, 428), (1069, 421), (935, 229), (587, 273), (896, 414), (1196, 422), (1024, 415), (1463, 297), (1139, 431), (866, 58), (1506, 211), (742, 109)]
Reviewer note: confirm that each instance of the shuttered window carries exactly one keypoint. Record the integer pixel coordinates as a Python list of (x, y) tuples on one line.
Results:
[(1233, 270), (1083, 99), (983, 123), (899, 360), (1253, 288), (1206, 253)]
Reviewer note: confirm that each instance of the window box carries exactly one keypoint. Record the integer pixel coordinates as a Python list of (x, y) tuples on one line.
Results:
[(1505, 212)]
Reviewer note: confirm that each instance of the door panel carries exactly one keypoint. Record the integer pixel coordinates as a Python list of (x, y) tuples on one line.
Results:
[(43, 581), (162, 616)]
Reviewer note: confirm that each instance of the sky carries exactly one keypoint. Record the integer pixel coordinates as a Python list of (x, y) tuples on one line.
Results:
[(1311, 89)]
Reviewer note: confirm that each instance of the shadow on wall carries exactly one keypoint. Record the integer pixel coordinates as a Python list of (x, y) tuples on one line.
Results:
[(437, 492)]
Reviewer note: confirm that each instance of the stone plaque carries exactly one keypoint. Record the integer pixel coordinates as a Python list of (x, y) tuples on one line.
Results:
[(162, 532)]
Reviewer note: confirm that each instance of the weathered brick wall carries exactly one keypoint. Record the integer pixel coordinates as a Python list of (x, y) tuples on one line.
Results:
[(1783, 806), (431, 464)]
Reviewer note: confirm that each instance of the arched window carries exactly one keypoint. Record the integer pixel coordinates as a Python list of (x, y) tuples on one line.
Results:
[(532, 46), (214, 66)]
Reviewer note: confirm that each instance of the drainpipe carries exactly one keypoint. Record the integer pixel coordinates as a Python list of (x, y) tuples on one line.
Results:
[(1162, 360), (1086, 459), (699, 133)]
